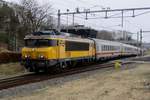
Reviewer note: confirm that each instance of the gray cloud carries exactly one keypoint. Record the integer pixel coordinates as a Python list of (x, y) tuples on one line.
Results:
[(131, 24)]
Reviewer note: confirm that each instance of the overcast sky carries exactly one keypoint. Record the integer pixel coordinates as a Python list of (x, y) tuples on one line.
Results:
[(130, 24)]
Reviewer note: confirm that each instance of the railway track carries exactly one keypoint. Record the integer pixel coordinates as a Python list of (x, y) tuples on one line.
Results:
[(33, 78)]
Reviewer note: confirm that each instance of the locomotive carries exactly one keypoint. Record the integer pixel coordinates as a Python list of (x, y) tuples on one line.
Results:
[(47, 49)]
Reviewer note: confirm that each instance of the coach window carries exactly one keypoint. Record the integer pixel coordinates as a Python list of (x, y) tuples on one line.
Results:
[(104, 48), (107, 48), (113, 47)]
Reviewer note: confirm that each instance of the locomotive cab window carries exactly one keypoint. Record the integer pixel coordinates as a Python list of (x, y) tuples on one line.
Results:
[(40, 42), (30, 43)]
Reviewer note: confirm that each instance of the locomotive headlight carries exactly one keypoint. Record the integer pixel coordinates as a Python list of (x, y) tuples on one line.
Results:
[(41, 56), (26, 56)]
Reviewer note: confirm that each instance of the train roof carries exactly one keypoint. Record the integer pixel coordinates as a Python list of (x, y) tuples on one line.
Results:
[(59, 37), (107, 42), (114, 43)]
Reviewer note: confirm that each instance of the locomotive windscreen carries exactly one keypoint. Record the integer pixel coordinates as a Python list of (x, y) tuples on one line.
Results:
[(40, 43)]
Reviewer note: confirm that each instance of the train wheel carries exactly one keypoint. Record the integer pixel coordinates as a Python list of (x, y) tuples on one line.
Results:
[(30, 69), (74, 63), (63, 65), (60, 67), (46, 70)]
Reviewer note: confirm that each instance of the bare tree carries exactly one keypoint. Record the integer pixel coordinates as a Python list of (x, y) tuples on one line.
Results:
[(50, 23), (33, 15)]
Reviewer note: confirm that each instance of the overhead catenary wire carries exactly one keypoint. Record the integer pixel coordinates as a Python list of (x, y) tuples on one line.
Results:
[(142, 13), (81, 19), (93, 24), (106, 13), (114, 16), (121, 13)]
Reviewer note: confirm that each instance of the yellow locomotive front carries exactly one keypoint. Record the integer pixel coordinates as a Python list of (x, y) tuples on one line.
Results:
[(39, 52), (39, 49)]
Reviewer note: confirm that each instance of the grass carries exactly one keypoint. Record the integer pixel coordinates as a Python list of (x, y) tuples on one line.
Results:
[(147, 52), (11, 69), (3, 50)]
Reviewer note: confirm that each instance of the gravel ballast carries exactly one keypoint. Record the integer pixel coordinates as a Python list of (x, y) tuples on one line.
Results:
[(107, 84)]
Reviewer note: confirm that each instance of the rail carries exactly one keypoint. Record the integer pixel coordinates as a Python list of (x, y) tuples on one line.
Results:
[(33, 78)]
